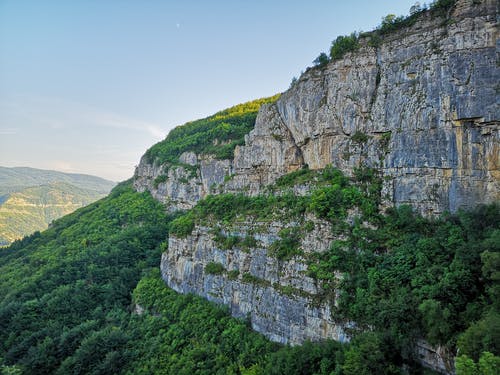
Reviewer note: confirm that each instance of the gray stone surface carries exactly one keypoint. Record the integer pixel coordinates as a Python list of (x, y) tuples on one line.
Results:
[(431, 89), (287, 317), (183, 185), (426, 100)]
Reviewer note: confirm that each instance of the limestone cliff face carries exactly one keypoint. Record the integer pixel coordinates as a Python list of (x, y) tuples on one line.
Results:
[(422, 107), (181, 186), (277, 296)]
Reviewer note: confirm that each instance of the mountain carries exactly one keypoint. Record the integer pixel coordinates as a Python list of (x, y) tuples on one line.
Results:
[(350, 225), (30, 199), (16, 178)]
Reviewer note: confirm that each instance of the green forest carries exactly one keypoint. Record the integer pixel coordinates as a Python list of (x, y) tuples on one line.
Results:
[(86, 295), (69, 295)]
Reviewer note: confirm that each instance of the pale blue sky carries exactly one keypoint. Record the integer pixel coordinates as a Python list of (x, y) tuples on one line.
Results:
[(88, 86)]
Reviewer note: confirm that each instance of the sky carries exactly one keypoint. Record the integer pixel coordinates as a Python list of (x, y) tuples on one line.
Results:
[(86, 86)]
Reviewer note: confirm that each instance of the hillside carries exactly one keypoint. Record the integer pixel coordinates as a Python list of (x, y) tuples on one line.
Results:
[(16, 178), (350, 225), (30, 199)]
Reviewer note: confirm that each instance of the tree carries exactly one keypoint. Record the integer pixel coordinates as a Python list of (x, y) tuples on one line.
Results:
[(342, 45), (321, 60), (465, 366), (488, 364)]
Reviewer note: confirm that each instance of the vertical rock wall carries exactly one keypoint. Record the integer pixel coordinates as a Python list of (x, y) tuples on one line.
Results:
[(277, 296), (422, 107)]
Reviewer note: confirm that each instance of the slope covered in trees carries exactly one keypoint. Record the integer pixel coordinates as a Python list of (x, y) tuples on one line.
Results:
[(86, 296), (30, 199), (68, 295)]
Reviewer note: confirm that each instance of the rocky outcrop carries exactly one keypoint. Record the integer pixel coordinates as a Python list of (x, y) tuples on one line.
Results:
[(423, 107), (271, 152), (437, 358), (277, 296), (180, 186)]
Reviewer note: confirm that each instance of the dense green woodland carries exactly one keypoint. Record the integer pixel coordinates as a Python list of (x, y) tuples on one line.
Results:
[(67, 295), (86, 295)]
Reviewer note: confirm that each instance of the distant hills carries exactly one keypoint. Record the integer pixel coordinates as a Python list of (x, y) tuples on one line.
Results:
[(30, 199)]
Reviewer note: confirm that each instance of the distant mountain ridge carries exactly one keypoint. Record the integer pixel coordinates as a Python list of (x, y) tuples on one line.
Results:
[(12, 179), (30, 199)]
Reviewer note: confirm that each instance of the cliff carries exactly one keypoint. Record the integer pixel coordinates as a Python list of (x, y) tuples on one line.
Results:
[(420, 107), (275, 295)]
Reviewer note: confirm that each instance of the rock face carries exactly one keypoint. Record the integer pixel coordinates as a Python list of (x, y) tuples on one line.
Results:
[(181, 186), (422, 107), (437, 358), (276, 295)]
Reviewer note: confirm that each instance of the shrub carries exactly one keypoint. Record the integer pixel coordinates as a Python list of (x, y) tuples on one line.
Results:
[(343, 44), (287, 246), (375, 40), (230, 242), (249, 242), (294, 178), (441, 7), (182, 226), (249, 278), (327, 202), (359, 137), (233, 274), (214, 268), (158, 180), (321, 60)]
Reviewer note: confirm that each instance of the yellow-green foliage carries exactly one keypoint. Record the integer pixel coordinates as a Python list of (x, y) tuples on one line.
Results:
[(217, 135)]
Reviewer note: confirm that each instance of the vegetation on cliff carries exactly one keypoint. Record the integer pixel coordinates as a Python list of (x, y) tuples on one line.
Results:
[(413, 278), (86, 296), (66, 306), (390, 23), (66, 296), (216, 135), (404, 277), (332, 196)]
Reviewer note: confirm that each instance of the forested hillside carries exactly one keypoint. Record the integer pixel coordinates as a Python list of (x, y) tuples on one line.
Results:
[(272, 209), (18, 178), (30, 199), (86, 297), (215, 135)]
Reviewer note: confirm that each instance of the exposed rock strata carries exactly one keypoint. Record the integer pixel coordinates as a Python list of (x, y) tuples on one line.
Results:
[(181, 186), (276, 295), (422, 107)]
